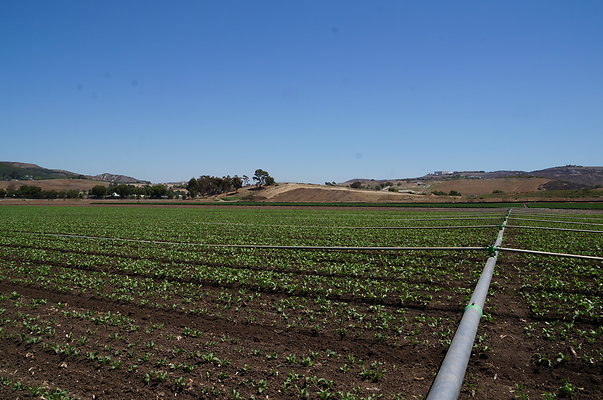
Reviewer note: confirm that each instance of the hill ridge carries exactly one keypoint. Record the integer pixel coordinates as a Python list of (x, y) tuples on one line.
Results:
[(589, 176), (13, 170)]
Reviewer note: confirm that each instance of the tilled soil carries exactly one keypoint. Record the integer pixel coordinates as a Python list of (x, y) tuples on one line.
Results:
[(505, 371), (95, 346), (411, 369)]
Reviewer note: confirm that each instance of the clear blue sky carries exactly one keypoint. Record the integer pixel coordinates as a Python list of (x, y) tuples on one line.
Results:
[(311, 91)]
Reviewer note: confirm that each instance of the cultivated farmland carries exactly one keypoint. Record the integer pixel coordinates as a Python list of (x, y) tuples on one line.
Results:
[(145, 303)]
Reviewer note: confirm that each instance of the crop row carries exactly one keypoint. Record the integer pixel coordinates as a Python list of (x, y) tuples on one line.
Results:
[(241, 227), (335, 306), (564, 297), (191, 359), (212, 322)]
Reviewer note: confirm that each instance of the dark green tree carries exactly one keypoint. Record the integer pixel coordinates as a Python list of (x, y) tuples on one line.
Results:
[(192, 187), (158, 191), (122, 190), (98, 191), (29, 192), (262, 178), (207, 185)]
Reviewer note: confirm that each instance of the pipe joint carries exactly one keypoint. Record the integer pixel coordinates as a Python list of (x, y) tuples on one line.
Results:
[(491, 250), (475, 306)]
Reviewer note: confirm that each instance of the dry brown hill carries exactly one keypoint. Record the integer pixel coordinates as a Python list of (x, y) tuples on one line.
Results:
[(56, 184), (526, 188), (487, 186), (589, 176), (301, 192), (114, 178)]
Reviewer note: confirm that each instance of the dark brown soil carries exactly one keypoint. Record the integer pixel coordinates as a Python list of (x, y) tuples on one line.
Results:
[(505, 372), (258, 352), (411, 369)]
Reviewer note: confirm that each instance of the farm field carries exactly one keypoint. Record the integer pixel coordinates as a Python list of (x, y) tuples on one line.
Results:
[(143, 303)]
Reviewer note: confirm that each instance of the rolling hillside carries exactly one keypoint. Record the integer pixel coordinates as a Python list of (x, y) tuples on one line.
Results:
[(10, 170), (23, 171), (478, 182)]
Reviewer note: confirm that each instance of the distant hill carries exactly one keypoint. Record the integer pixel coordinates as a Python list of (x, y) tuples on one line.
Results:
[(581, 176), (588, 176), (566, 177), (10, 170), (106, 177), (23, 171)]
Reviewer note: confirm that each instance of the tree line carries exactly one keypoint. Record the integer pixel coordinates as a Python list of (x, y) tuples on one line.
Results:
[(130, 191), (36, 192), (207, 185), (97, 192)]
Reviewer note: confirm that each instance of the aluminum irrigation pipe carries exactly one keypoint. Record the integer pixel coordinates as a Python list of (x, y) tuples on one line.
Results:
[(448, 381), (261, 246), (420, 227), (443, 218), (560, 215), (534, 210), (553, 229), (347, 227), (397, 218), (420, 213), (592, 215), (547, 253), (557, 222), (256, 246)]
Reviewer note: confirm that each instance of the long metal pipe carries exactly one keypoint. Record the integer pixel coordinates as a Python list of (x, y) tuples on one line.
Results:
[(547, 253), (553, 229), (557, 222), (420, 227), (443, 218), (256, 246), (371, 227), (448, 381), (230, 224), (350, 227), (560, 215)]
